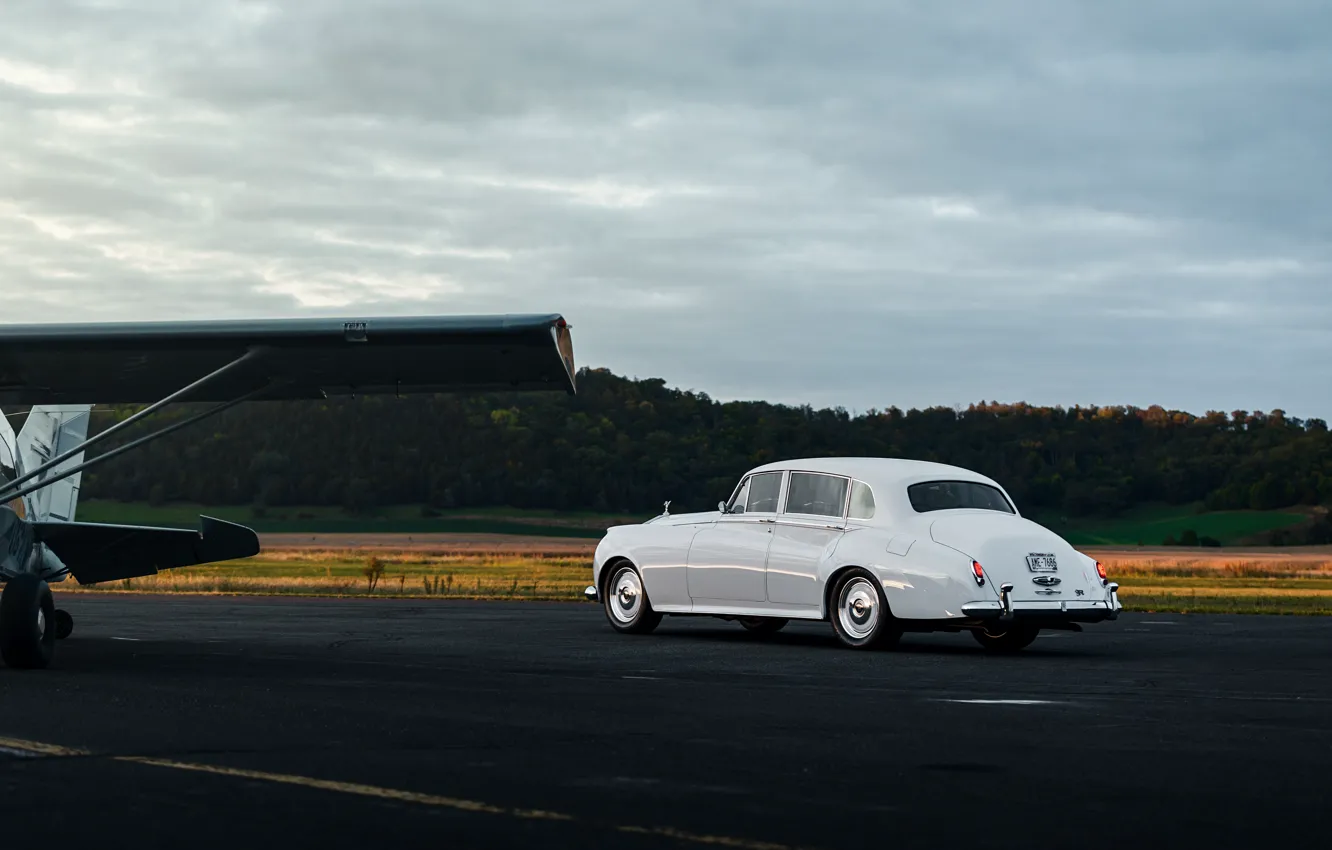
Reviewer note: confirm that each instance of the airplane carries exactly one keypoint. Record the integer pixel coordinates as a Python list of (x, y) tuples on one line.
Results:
[(64, 370)]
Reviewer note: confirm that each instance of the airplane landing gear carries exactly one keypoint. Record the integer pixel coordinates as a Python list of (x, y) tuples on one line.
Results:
[(28, 623), (64, 624)]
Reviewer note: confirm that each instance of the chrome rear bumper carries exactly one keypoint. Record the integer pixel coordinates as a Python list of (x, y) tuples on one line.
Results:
[(1075, 611)]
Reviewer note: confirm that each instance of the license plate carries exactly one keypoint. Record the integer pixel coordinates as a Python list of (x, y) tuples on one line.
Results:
[(1040, 562)]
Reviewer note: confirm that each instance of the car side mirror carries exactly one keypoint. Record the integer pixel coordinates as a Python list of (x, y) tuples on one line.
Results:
[(721, 506)]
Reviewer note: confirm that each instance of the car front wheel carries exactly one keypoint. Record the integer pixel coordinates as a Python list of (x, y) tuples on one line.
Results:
[(626, 601), (859, 612)]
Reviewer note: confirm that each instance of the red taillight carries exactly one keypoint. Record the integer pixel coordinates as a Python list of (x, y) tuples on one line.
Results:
[(979, 573), (1100, 571)]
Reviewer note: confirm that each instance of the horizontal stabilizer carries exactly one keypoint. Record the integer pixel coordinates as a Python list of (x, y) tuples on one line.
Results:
[(95, 552)]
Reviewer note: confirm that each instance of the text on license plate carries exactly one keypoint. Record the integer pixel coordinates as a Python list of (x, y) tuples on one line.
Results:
[(1040, 562)]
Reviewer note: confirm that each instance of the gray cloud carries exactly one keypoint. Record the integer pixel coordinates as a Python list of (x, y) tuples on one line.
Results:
[(846, 203)]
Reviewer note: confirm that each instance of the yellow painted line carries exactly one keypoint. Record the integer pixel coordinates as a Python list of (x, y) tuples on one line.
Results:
[(37, 748), (715, 840), (349, 788)]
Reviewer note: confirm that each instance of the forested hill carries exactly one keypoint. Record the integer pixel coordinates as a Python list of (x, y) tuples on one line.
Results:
[(624, 445)]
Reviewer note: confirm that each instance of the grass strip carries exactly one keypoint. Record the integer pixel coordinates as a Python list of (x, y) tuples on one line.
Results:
[(1204, 603), (551, 577)]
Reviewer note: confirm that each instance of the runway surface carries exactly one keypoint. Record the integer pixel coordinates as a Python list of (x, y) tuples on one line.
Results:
[(238, 722)]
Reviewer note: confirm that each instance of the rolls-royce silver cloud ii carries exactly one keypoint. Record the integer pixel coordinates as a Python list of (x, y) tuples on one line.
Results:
[(876, 546)]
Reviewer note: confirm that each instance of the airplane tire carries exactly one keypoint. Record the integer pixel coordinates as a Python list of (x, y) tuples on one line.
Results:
[(27, 623), (64, 624)]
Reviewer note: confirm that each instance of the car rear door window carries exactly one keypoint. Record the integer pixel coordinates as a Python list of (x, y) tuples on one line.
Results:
[(816, 495)]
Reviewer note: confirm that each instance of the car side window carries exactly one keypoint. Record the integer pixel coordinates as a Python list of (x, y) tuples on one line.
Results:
[(740, 499), (815, 494), (862, 501), (763, 492)]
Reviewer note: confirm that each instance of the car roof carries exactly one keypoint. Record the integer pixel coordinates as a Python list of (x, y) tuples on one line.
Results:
[(880, 472)]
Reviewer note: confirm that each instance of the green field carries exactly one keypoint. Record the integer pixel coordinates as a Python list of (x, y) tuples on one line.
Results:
[(399, 519), (1151, 525)]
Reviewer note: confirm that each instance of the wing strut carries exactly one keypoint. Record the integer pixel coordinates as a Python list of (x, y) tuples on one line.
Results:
[(147, 438), (11, 490)]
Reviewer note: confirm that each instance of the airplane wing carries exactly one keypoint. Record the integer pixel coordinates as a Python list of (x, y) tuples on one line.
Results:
[(142, 362), (96, 552)]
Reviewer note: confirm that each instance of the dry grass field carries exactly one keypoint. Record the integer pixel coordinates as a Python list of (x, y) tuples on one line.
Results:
[(1297, 580), (457, 566), (487, 566)]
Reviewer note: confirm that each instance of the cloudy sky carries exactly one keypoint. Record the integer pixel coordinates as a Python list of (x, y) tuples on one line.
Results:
[(845, 202)]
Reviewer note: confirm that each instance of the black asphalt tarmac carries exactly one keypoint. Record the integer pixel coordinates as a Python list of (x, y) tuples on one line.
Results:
[(219, 722)]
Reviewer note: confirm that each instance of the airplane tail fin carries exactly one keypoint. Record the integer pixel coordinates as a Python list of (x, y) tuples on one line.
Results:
[(52, 430)]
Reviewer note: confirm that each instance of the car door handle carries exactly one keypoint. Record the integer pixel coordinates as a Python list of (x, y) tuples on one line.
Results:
[(767, 520)]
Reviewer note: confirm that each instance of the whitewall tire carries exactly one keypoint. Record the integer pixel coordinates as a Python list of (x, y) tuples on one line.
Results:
[(859, 612), (626, 602)]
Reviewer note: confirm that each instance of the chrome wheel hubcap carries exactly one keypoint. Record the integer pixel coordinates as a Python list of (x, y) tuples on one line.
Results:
[(858, 608), (626, 596)]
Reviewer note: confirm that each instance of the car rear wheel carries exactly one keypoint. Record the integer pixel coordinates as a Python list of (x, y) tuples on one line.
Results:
[(763, 625), (1013, 638), (626, 601), (859, 612)]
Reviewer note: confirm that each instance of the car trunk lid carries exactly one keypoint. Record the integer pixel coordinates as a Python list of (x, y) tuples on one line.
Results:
[(1039, 564)]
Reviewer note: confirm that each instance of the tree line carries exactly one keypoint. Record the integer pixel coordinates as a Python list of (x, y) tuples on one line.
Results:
[(625, 445)]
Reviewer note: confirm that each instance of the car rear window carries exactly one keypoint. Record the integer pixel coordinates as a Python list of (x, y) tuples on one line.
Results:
[(952, 495)]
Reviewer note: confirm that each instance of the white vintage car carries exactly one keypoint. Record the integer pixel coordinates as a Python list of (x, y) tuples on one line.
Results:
[(878, 546)]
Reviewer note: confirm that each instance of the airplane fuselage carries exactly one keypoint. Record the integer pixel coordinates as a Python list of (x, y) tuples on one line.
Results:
[(16, 543)]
